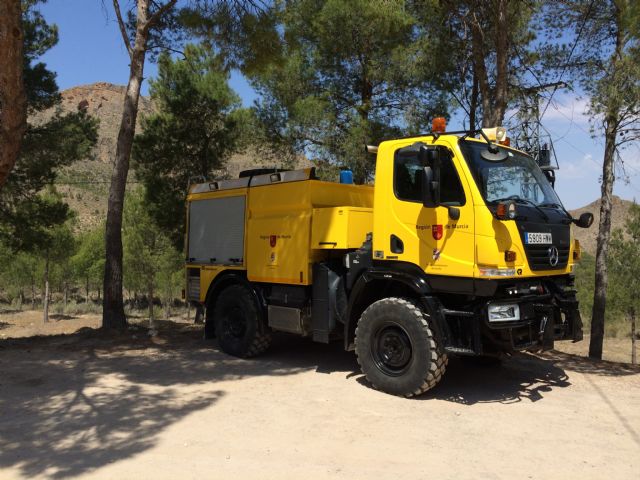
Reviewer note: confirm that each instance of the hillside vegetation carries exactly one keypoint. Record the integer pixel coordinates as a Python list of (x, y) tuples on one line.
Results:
[(84, 185)]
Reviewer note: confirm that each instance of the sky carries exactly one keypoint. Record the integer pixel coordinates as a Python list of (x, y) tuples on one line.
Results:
[(91, 50)]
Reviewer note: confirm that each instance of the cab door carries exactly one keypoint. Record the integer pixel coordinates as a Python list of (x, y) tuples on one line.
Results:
[(432, 238)]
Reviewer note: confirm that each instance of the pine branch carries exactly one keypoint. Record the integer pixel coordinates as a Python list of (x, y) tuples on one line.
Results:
[(153, 19), (123, 29)]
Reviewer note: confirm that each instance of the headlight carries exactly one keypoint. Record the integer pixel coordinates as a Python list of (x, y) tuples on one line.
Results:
[(507, 211), (504, 313)]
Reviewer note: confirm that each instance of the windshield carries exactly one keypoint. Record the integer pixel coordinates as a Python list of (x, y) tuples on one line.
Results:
[(517, 177)]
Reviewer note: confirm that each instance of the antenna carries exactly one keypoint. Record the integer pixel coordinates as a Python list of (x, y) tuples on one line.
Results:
[(532, 137)]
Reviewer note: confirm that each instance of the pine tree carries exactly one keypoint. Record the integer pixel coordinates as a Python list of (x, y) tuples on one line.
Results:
[(13, 98), (624, 262), (148, 20), (197, 126), (485, 51), (150, 259), (346, 74), (151, 27), (604, 57), (88, 262), (24, 212)]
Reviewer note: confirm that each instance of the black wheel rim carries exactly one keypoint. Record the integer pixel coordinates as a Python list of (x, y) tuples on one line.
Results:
[(391, 349), (234, 323)]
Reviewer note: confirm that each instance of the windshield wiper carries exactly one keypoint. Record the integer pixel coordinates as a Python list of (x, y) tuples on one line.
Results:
[(560, 206), (517, 198)]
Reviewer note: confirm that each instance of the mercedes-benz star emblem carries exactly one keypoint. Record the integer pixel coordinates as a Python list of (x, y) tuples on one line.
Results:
[(553, 256)]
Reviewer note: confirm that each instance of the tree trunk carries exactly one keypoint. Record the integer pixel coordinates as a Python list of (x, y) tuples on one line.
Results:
[(113, 316), (499, 105), (13, 98), (150, 300), (152, 324), (604, 234), (167, 309), (66, 295), (473, 107), (634, 360), (33, 294), (87, 290), (494, 100), (611, 122), (46, 289)]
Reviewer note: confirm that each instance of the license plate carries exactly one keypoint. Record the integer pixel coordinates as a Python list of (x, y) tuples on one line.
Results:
[(535, 238)]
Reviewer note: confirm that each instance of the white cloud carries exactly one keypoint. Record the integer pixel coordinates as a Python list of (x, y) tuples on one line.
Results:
[(583, 167), (566, 108)]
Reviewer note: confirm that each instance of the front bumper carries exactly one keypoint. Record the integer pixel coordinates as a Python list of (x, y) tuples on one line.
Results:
[(543, 318)]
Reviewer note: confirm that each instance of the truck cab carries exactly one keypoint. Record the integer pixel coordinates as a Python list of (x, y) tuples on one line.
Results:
[(462, 247)]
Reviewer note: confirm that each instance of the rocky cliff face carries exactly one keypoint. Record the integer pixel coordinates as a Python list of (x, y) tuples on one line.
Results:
[(85, 184), (103, 101)]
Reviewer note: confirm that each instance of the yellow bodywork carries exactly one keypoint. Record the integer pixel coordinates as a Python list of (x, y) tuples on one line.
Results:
[(290, 226), (477, 239)]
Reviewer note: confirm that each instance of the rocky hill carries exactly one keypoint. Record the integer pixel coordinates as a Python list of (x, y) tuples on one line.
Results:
[(103, 101), (587, 236), (85, 184)]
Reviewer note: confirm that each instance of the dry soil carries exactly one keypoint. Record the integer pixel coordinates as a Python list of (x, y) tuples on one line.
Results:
[(129, 406)]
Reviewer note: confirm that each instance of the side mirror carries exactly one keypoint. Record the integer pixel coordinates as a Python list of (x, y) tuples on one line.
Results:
[(430, 160), (430, 187), (429, 157), (585, 220)]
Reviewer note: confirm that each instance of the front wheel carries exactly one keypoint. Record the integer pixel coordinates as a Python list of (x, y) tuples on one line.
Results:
[(238, 323), (396, 348)]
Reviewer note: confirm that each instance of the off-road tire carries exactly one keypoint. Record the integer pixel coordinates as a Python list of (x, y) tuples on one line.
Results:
[(238, 323), (399, 321)]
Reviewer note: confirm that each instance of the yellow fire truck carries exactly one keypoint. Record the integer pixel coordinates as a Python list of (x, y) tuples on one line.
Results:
[(461, 247)]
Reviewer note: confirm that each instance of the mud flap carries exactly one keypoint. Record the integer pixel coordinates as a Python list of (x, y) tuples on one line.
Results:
[(547, 330), (575, 325), (571, 328)]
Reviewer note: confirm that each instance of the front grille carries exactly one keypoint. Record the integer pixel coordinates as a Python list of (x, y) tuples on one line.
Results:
[(538, 257)]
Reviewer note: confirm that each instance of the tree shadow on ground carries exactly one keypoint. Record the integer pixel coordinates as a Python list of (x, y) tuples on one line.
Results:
[(4, 325), (70, 404), (591, 366), (521, 377)]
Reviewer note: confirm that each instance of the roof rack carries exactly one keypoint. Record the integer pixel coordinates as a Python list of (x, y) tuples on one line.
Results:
[(249, 181)]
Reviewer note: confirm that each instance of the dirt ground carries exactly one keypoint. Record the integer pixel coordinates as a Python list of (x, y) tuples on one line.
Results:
[(78, 404)]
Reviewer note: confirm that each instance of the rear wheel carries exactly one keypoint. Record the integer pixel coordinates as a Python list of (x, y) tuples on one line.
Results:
[(238, 323), (396, 348)]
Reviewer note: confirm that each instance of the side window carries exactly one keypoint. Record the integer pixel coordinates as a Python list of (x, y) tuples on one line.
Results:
[(407, 179)]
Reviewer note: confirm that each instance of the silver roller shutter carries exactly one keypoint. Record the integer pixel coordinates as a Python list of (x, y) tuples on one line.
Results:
[(216, 230)]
